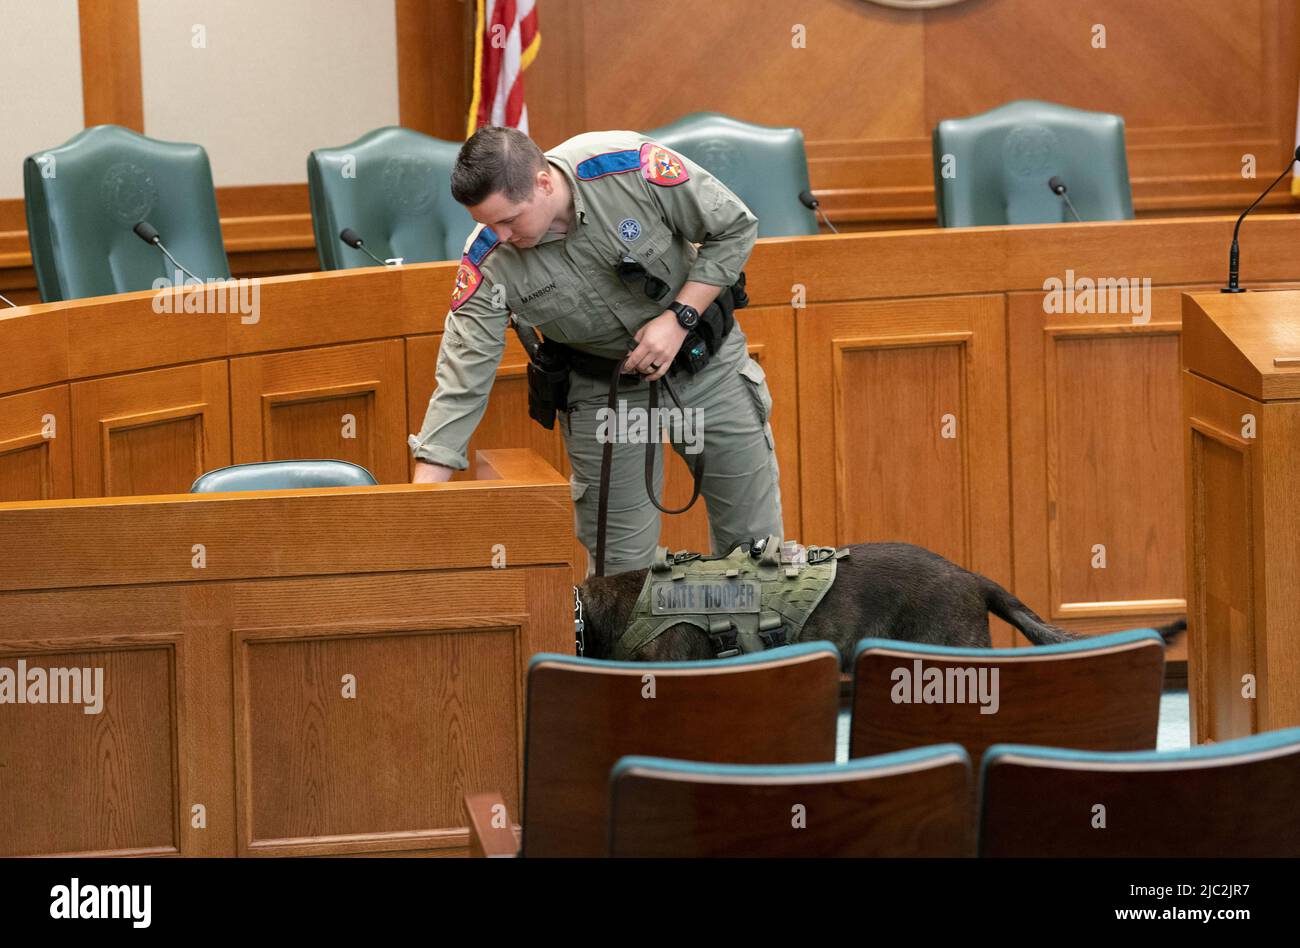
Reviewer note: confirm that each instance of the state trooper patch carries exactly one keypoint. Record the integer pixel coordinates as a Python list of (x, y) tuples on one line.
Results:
[(629, 228), (468, 279), (660, 166)]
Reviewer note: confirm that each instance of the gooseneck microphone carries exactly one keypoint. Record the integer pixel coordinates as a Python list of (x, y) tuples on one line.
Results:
[(149, 234), (5, 299), (1234, 257), (353, 240), (807, 200), (1058, 187)]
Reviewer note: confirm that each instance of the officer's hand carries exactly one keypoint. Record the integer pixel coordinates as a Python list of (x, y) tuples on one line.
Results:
[(657, 345), (429, 473)]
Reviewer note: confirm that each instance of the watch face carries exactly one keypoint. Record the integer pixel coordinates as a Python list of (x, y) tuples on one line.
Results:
[(687, 316)]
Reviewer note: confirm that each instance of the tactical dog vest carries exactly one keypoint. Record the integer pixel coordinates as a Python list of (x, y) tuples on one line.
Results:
[(755, 597)]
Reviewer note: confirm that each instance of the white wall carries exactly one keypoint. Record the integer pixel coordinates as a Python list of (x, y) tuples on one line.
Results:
[(268, 87), (40, 83)]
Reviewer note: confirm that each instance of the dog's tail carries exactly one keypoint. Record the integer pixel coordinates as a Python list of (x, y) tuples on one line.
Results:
[(1010, 609)]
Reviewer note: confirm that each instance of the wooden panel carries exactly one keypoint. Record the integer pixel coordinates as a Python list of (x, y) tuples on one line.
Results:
[(110, 63), (1094, 398), (43, 341), (302, 740), (344, 402), (868, 139), (1113, 429), (151, 432), (109, 759), (166, 654), (309, 578), (435, 63), (876, 382), (36, 445), (1219, 522)]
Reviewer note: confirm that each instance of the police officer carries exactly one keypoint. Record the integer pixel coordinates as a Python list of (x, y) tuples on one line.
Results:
[(594, 243)]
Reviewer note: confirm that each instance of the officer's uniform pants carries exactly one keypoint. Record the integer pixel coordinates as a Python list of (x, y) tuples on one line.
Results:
[(730, 403)]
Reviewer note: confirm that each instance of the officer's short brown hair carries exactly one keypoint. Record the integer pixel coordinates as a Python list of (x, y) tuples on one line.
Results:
[(496, 159)]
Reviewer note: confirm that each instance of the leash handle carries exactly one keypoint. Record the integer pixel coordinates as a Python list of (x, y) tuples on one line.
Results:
[(607, 458)]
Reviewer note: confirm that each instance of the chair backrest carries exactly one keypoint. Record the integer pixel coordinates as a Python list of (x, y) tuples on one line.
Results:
[(913, 803), (777, 707), (84, 197), (1235, 799), (1101, 693), (283, 475), (393, 187), (765, 167), (994, 168)]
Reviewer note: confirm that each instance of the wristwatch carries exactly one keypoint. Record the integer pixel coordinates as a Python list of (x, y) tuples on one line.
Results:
[(688, 317)]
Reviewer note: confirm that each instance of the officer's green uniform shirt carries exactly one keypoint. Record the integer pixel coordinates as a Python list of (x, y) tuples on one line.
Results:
[(633, 199)]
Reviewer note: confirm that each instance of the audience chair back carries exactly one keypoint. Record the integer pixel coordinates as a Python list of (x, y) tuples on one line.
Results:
[(1236, 799), (85, 197), (283, 475), (777, 707), (765, 167), (913, 803), (1101, 693), (393, 187), (994, 168)]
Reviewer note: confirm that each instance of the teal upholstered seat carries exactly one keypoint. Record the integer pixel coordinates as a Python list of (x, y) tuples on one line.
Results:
[(84, 197), (766, 167), (393, 187), (913, 803), (994, 168), (1100, 693), (283, 475), (1235, 798)]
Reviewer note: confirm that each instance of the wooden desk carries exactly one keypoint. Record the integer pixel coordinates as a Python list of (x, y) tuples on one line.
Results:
[(1065, 427), (1241, 404), (229, 628)]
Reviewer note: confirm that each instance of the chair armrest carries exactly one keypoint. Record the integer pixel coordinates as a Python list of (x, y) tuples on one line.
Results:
[(490, 830)]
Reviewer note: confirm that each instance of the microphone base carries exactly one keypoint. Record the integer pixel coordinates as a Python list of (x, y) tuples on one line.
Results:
[(1232, 289)]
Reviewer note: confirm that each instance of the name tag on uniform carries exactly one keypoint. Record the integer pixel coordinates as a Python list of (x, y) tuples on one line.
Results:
[(704, 595)]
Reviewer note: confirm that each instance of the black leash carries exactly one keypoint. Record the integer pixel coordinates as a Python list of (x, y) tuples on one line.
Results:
[(607, 459)]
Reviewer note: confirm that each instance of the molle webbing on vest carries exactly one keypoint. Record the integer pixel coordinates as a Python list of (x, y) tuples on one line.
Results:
[(742, 602)]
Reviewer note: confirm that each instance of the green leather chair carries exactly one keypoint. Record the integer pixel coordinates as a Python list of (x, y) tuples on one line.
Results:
[(765, 167), (393, 187), (283, 475), (994, 168), (84, 197)]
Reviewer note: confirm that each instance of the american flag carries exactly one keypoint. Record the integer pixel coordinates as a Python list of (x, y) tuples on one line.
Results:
[(506, 43)]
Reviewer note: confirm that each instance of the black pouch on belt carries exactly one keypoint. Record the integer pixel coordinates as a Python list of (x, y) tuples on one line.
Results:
[(717, 320), (548, 384)]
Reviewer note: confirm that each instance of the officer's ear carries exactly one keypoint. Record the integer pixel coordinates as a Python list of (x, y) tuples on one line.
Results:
[(545, 180)]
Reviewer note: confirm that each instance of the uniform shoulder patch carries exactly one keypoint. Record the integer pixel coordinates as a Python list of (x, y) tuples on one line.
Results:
[(483, 244), (468, 279), (612, 162), (660, 166), (468, 275)]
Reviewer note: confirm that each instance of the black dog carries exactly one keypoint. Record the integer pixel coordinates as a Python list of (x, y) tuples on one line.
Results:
[(881, 590)]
